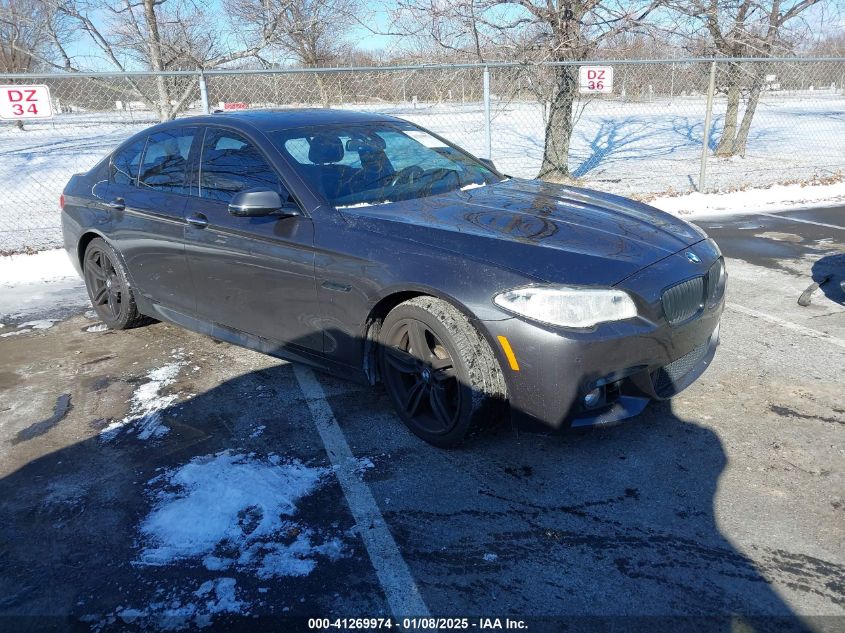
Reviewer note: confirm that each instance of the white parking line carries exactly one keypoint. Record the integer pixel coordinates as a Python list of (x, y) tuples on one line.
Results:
[(789, 325), (403, 595), (802, 221)]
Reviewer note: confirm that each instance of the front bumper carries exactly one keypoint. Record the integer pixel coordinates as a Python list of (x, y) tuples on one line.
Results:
[(628, 362)]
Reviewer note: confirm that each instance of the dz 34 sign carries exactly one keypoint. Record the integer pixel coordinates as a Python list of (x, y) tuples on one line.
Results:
[(25, 102), (595, 79)]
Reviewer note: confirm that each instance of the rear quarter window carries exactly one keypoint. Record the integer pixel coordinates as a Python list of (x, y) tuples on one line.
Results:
[(126, 162), (165, 161)]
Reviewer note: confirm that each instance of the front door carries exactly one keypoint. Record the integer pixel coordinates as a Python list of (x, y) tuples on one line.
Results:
[(251, 274)]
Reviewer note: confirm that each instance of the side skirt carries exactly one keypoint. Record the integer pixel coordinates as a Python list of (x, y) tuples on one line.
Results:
[(285, 351)]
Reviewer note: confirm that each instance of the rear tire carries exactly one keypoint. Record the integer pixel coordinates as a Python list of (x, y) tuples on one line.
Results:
[(440, 373), (108, 287)]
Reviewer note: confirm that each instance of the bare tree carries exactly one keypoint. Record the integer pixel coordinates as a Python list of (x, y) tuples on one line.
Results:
[(156, 35), (310, 32), (540, 30), (742, 28), (833, 45), (23, 34)]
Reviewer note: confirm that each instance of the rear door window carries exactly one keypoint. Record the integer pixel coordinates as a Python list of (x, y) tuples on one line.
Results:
[(166, 159), (126, 162), (231, 163)]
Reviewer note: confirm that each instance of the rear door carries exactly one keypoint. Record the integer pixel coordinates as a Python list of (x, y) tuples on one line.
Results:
[(149, 191), (251, 274)]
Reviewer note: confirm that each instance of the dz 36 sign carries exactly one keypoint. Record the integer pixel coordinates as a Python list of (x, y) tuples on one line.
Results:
[(595, 79), (25, 102)]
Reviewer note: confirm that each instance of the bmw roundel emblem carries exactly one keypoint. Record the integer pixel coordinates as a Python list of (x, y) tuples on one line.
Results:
[(695, 259)]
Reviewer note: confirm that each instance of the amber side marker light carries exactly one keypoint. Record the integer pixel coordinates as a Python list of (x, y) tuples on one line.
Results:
[(506, 347)]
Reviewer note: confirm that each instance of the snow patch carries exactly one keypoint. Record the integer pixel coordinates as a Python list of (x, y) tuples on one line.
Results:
[(750, 201), (234, 511), (24, 268), (355, 206), (29, 326), (359, 205), (257, 431), (147, 404), (176, 612), (40, 324), (364, 464), (38, 284), (99, 327)]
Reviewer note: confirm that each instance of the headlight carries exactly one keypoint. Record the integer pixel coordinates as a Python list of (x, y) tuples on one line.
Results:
[(568, 307)]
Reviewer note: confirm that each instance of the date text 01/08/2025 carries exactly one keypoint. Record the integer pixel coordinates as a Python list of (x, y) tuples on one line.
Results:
[(415, 624)]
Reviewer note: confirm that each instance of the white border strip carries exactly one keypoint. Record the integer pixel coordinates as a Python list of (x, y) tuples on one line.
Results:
[(789, 325), (403, 595)]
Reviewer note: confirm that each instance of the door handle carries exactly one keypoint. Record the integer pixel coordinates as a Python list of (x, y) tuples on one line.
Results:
[(118, 204), (198, 220)]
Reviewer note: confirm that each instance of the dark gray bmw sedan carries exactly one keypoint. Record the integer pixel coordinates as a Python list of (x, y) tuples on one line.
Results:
[(371, 248)]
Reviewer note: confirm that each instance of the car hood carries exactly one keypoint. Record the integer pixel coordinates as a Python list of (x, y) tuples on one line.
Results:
[(553, 233)]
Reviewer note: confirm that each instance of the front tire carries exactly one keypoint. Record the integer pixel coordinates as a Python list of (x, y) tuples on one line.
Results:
[(108, 287), (440, 373)]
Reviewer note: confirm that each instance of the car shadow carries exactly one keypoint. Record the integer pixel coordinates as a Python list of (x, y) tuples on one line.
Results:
[(601, 528), (829, 273)]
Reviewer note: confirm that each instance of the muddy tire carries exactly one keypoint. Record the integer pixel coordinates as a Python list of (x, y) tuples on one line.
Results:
[(108, 287), (440, 373)]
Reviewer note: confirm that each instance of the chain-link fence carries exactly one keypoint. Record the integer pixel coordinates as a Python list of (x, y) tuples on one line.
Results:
[(644, 137)]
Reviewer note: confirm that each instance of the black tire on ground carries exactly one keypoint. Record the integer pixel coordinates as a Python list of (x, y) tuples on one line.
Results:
[(440, 373), (108, 287)]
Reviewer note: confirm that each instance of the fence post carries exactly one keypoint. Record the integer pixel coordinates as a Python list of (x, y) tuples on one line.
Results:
[(487, 131), (708, 118), (203, 93), (672, 83)]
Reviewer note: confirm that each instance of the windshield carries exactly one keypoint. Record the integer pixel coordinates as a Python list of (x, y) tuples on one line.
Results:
[(375, 163)]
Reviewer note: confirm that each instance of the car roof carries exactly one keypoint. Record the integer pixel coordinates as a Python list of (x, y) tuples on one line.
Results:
[(285, 119)]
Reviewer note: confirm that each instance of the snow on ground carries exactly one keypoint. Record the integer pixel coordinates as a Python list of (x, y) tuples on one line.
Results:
[(625, 147), (651, 146), (235, 511), (39, 284), (59, 298), (175, 611), (148, 402), (52, 265), (29, 326), (751, 201), (230, 512)]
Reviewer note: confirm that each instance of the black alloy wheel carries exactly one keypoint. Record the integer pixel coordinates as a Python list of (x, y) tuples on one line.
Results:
[(108, 287), (421, 375), (440, 373)]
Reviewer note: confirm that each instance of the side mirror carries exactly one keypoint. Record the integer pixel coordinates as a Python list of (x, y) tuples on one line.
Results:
[(256, 203), (488, 163)]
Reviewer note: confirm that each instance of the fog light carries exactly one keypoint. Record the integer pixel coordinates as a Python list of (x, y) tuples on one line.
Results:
[(592, 398)]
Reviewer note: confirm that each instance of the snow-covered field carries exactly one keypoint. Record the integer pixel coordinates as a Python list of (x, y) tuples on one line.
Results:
[(750, 201), (620, 146)]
